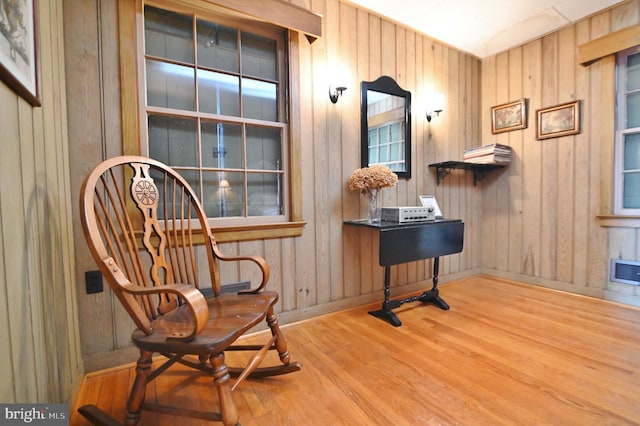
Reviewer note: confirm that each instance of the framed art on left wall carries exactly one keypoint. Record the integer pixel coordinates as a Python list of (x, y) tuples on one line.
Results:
[(19, 48)]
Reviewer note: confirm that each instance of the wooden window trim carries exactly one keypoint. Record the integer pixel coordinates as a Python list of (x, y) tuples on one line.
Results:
[(610, 220), (283, 14), (131, 108), (610, 44), (607, 70), (276, 12), (601, 55)]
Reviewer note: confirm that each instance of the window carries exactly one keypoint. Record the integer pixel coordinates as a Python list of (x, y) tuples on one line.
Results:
[(627, 144), (386, 145), (215, 110)]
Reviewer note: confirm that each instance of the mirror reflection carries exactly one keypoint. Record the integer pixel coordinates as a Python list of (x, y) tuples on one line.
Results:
[(386, 125)]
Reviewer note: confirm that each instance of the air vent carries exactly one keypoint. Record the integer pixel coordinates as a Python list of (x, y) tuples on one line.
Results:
[(227, 288), (625, 271)]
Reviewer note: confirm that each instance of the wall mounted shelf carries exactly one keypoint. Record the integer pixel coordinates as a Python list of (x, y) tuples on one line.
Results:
[(479, 170)]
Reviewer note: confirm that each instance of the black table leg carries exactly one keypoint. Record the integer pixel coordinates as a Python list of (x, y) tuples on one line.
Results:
[(430, 296), (387, 305), (433, 296)]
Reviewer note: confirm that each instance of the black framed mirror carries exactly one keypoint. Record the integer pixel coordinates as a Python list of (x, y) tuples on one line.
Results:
[(385, 123)]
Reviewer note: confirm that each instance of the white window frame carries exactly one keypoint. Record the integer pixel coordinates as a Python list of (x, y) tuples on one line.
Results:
[(621, 132), (252, 27)]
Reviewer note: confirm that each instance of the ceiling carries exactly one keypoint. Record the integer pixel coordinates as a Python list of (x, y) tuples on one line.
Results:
[(485, 27)]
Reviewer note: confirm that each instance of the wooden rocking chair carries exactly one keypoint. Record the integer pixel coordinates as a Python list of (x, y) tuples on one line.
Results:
[(143, 239)]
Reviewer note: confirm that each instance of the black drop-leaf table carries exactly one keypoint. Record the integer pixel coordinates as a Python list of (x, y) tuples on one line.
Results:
[(408, 242)]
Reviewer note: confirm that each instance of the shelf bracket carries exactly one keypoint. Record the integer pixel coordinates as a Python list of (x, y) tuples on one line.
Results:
[(441, 173), (478, 175)]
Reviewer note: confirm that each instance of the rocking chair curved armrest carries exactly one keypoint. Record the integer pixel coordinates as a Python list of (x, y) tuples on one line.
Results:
[(261, 262), (189, 294)]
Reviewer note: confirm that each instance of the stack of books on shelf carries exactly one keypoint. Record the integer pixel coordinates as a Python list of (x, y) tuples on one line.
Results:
[(494, 153)]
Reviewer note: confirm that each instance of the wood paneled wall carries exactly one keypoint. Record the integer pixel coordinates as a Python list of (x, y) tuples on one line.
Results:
[(541, 216), (40, 347), (331, 266), (535, 221)]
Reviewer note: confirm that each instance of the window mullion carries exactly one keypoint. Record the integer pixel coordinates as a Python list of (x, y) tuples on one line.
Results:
[(245, 187), (240, 72)]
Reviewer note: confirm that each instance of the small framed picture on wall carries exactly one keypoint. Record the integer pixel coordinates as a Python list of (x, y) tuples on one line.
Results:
[(509, 116), (19, 49), (559, 120)]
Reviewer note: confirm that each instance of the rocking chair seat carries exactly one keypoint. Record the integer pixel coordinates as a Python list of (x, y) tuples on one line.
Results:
[(230, 316)]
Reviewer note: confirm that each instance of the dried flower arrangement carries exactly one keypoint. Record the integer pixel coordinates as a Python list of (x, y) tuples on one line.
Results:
[(369, 181), (373, 177)]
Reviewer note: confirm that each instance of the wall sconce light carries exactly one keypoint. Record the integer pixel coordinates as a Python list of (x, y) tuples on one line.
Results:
[(436, 106), (335, 91)]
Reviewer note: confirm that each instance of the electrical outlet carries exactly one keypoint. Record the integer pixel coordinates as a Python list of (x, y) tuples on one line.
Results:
[(93, 282)]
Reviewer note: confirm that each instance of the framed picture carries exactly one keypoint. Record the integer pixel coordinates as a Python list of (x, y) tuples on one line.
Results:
[(510, 116), (430, 201), (19, 49), (559, 120)]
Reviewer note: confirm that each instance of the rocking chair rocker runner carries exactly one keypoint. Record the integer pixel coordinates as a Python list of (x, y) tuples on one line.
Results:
[(144, 242)]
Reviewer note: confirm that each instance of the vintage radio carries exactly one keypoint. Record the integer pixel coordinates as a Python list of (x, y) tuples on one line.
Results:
[(408, 214)]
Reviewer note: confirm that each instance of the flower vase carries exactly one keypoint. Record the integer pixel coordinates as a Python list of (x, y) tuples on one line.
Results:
[(373, 212)]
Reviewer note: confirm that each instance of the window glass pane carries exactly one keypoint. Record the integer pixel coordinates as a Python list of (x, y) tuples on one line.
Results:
[(373, 155), (191, 176), (383, 153), (217, 46), (631, 191), (218, 93), (223, 193), (395, 131), (173, 140), (168, 35), (395, 152), (633, 110), (259, 100), (384, 135), (373, 137), (264, 194), (264, 150), (633, 72), (259, 56), (632, 151), (221, 145), (170, 85)]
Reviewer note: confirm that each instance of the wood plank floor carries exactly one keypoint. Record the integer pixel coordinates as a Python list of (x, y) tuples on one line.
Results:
[(505, 353)]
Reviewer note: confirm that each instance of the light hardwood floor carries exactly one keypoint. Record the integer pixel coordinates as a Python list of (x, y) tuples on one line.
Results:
[(505, 353)]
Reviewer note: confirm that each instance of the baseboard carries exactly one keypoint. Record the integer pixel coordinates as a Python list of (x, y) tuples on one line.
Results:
[(596, 292)]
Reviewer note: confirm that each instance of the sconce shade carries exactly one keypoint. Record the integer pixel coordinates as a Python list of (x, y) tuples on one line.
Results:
[(335, 92), (436, 105)]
